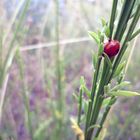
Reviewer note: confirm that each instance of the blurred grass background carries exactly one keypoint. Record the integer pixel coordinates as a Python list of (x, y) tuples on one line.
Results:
[(34, 70)]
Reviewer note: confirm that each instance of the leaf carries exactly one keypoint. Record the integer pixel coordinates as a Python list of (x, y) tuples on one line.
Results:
[(107, 31), (75, 96), (119, 69), (82, 80), (101, 48), (121, 85), (106, 101), (94, 36), (104, 23), (86, 91), (107, 59), (124, 93), (109, 101), (93, 126), (83, 86), (85, 106), (95, 56)]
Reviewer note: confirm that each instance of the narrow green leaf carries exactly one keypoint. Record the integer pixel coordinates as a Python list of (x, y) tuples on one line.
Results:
[(107, 31), (121, 85), (107, 59), (124, 93), (104, 23), (101, 49), (93, 126), (106, 101), (95, 56), (94, 36), (119, 69), (85, 89), (75, 96), (85, 106), (82, 81)]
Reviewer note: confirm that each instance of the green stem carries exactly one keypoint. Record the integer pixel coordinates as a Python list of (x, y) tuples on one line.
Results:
[(98, 102), (25, 92), (113, 15), (112, 101), (124, 17), (21, 18), (79, 109), (94, 85), (59, 74)]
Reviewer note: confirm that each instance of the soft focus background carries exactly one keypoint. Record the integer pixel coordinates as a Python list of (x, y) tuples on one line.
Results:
[(48, 83)]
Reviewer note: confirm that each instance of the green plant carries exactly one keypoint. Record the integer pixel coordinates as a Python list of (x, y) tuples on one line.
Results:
[(8, 54), (108, 70), (6, 61)]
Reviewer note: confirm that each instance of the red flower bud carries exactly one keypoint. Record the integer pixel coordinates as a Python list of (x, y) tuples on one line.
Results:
[(111, 48)]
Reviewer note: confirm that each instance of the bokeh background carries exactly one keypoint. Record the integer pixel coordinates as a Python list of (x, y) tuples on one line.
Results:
[(36, 70)]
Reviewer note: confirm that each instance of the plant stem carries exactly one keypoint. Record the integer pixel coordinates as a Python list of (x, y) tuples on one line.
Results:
[(79, 109), (8, 56), (113, 98), (113, 15), (124, 17), (59, 73), (98, 102), (94, 85), (25, 92)]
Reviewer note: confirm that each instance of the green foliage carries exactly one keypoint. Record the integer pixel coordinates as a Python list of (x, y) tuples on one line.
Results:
[(119, 69), (120, 86), (124, 93), (94, 36), (112, 68), (107, 59)]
